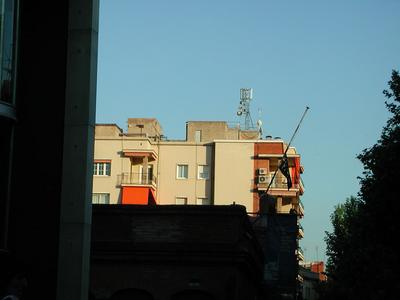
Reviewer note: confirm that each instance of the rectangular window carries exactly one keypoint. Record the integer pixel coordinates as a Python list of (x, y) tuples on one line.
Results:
[(180, 200), (203, 172), (197, 136), (102, 168), (146, 177), (182, 171), (7, 50), (100, 198), (107, 169), (203, 201)]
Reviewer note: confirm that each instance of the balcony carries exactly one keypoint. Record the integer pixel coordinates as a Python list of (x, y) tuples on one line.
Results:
[(299, 254), (136, 179), (300, 231), (300, 278), (301, 186), (278, 185), (300, 208)]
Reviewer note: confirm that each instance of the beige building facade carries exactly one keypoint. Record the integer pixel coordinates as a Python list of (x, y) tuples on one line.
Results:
[(215, 164)]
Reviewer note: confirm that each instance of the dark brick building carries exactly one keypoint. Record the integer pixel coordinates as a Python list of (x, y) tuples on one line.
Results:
[(174, 252), (277, 235)]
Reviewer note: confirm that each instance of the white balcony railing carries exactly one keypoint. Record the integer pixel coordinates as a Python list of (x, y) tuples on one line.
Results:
[(279, 182), (300, 231), (299, 254)]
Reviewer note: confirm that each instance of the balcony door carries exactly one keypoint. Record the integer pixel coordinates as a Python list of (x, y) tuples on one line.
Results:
[(145, 177)]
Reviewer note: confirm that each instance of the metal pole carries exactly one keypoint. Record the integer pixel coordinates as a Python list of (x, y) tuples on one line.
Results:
[(291, 140)]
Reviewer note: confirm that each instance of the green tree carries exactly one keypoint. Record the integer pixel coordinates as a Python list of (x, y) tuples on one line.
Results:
[(363, 259), (341, 249)]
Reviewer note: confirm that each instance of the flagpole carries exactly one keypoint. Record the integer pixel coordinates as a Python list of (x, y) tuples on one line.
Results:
[(297, 128), (290, 142)]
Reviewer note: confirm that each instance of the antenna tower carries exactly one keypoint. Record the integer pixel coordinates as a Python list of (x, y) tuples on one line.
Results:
[(246, 95)]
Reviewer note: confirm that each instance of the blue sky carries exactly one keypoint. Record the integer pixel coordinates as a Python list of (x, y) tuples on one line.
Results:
[(187, 60)]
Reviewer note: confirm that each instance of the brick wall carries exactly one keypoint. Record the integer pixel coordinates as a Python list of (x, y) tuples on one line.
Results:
[(166, 250)]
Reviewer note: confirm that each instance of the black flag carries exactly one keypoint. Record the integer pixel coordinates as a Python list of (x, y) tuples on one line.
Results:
[(284, 168)]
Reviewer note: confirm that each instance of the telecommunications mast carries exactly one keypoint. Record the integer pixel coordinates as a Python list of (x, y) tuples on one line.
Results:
[(246, 95)]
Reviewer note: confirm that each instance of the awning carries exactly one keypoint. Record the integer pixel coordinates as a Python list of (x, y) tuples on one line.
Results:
[(151, 154), (152, 198), (137, 195)]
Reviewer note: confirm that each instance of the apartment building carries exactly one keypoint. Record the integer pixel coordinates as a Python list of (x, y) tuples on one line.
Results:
[(215, 164), (312, 273)]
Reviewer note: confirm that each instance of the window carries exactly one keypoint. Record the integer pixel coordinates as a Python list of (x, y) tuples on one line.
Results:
[(101, 198), (146, 177), (102, 168), (180, 200), (203, 172), (197, 136), (203, 201), (7, 48), (182, 171)]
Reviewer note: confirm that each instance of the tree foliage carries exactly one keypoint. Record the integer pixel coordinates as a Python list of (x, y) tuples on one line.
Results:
[(363, 260)]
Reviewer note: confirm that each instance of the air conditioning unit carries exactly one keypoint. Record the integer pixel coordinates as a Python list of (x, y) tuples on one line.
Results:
[(262, 171), (262, 179)]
